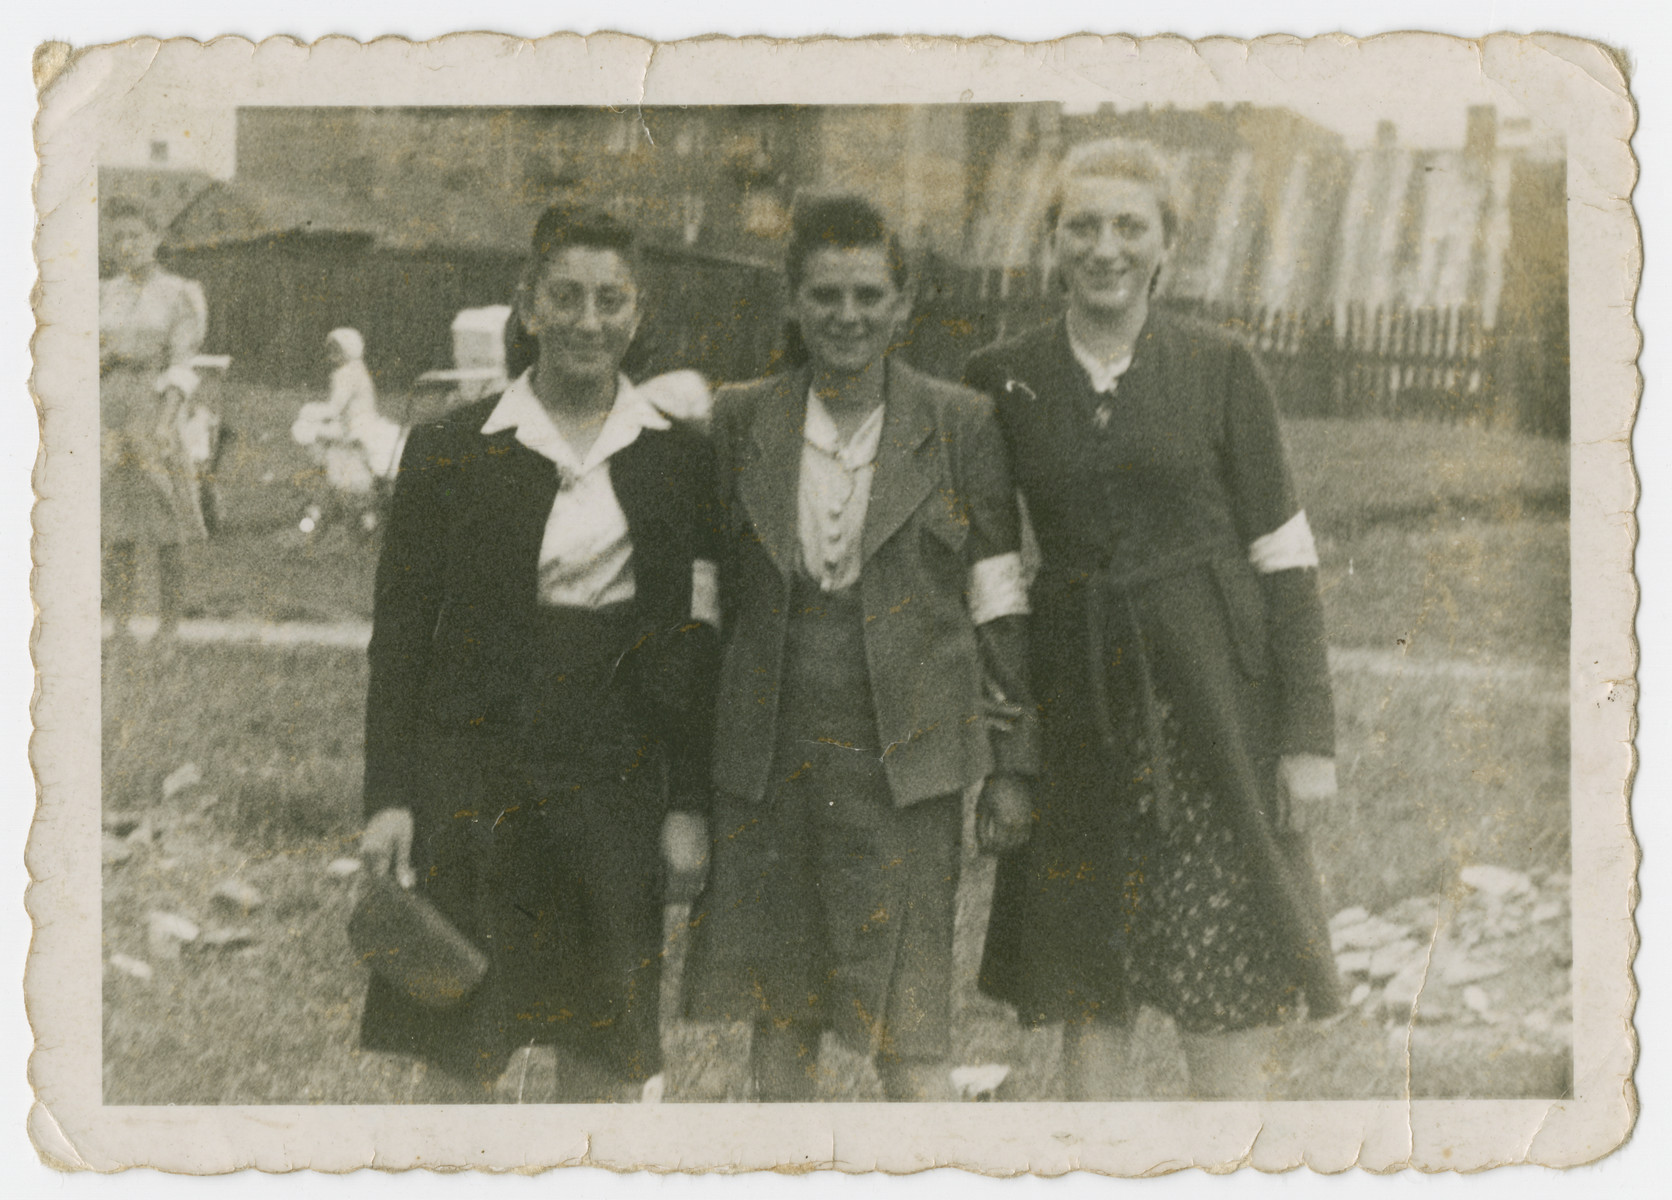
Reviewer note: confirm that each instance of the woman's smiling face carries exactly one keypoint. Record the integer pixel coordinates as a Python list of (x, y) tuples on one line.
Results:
[(1110, 241), (584, 310), (849, 307)]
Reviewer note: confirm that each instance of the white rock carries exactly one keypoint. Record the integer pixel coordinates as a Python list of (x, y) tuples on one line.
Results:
[(115, 850), (1347, 917), (342, 868), (1537, 1022), (1366, 935), (131, 967), (167, 932), (1496, 882), (236, 894), (1360, 994), (979, 1080), (121, 824), (142, 834), (222, 938), (1353, 962), (1476, 1000), (180, 779), (1403, 989), (172, 925), (1461, 969), (1549, 910), (1387, 961)]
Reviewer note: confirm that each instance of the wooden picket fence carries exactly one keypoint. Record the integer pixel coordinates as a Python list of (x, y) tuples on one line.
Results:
[(1438, 364)]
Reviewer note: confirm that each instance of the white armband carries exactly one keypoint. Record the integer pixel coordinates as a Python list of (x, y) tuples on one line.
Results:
[(997, 589), (705, 592), (681, 395), (1286, 548)]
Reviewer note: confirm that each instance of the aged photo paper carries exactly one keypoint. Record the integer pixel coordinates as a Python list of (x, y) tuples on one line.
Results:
[(834, 605)]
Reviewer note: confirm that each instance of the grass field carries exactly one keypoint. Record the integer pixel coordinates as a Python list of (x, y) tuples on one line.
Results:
[(1445, 580)]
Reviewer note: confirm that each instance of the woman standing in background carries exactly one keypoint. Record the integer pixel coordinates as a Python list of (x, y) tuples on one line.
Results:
[(151, 324), (1178, 662)]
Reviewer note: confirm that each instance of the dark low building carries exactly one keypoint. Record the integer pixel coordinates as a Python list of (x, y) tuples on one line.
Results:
[(281, 266)]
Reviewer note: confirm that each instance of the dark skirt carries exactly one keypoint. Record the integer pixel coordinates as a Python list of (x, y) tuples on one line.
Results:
[(543, 849), (828, 905), (1123, 898)]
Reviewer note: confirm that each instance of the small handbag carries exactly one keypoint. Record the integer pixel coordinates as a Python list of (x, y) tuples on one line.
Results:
[(411, 946)]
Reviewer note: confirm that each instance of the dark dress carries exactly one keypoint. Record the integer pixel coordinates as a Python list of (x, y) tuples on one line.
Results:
[(1170, 677), (539, 748)]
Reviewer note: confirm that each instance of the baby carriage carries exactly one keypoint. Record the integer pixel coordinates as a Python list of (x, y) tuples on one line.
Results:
[(356, 446)]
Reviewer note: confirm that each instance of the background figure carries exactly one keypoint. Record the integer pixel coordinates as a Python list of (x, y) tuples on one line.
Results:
[(538, 701), (151, 324), (1178, 660), (872, 577), (357, 446)]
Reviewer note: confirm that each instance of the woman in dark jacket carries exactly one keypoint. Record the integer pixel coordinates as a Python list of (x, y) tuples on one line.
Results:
[(538, 691), (1178, 663), (872, 590)]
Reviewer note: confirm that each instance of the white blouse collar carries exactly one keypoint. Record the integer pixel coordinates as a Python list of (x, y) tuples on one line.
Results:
[(1104, 375), (520, 409), (821, 433)]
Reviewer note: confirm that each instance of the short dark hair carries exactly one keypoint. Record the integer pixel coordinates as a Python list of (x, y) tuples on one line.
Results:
[(123, 209), (562, 226), (841, 222)]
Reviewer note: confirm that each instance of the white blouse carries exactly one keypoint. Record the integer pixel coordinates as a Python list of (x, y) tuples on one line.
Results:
[(586, 554), (835, 493), (834, 496)]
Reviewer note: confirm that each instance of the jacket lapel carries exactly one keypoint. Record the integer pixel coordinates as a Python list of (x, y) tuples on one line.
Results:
[(904, 476), (508, 514), (772, 472)]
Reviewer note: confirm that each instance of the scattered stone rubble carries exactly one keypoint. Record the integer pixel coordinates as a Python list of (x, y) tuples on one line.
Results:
[(1493, 954)]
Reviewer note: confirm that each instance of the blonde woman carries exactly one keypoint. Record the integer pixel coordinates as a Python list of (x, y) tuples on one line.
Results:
[(1178, 663)]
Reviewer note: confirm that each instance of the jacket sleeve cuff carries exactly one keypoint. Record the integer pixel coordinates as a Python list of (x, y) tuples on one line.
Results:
[(1016, 750), (1295, 632)]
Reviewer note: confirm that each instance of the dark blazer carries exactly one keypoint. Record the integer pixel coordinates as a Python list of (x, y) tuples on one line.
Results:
[(457, 586), (941, 500)]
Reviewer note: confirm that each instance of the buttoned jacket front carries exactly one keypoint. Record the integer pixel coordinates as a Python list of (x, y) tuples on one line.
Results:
[(941, 501)]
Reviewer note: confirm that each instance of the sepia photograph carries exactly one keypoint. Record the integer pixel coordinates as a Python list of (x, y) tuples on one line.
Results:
[(1031, 601)]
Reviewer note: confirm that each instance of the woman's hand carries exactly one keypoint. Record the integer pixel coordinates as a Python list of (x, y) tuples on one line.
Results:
[(685, 843), (1003, 814), (387, 845)]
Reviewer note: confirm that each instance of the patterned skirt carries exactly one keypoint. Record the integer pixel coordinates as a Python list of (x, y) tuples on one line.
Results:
[(1115, 904)]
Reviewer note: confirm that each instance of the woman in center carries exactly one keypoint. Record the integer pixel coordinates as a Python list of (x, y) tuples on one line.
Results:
[(873, 608)]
